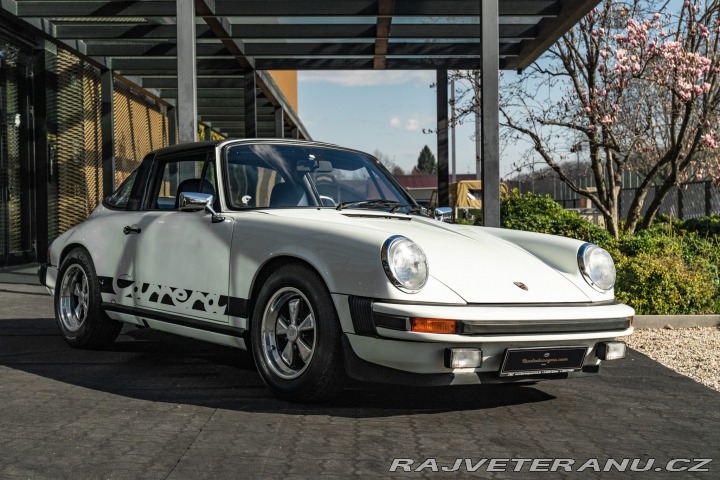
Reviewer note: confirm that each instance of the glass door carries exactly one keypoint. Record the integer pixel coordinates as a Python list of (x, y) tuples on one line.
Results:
[(15, 181)]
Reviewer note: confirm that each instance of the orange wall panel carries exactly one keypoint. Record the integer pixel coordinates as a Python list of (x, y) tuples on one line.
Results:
[(286, 80)]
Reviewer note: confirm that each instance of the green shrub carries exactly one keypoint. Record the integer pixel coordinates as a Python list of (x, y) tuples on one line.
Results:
[(540, 213), (679, 263), (704, 226), (663, 285)]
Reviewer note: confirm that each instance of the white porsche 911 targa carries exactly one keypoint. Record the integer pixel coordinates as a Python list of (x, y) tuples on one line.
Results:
[(314, 258)]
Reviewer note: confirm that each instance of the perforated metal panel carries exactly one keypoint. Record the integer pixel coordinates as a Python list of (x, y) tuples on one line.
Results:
[(141, 126), (78, 146)]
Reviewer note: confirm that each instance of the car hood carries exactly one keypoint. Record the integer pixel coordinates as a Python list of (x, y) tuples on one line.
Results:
[(478, 266)]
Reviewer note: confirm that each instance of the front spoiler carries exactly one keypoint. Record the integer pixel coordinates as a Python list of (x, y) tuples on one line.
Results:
[(365, 371)]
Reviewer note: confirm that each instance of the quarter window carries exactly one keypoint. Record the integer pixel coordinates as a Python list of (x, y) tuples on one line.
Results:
[(120, 197)]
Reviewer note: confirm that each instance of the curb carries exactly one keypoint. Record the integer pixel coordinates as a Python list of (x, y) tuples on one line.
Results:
[(675, 321)]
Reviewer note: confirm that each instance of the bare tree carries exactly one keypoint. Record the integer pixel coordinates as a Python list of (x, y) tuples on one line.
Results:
[(394, 168)]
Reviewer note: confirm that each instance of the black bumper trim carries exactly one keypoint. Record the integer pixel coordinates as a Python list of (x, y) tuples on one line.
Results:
[(42, 274), (522, 327)]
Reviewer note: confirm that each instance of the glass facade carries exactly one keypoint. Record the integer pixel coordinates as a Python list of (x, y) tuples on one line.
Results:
[(51, 167), (15, 183)]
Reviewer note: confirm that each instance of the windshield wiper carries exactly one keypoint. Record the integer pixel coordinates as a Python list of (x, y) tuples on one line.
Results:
[(410, 209), (370, 204)]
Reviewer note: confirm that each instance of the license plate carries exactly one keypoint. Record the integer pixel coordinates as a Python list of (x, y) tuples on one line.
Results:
[(538, 361)]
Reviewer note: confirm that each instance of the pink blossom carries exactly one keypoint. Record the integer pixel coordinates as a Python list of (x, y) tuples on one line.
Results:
[(710, 141)]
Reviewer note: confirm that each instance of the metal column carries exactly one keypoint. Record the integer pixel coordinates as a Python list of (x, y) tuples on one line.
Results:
[(250, 104), (279, 122), (172, 126), (490, 107), (107, 131), (442, 138), (186, 72), (41, 85)]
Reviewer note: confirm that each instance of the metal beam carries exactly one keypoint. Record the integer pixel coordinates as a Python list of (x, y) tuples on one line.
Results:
[(169, 64), (186, 71), (550, 29), (490, 107), (368, 8), (222, 29), (151, 48), (215, 52), (110, 31), (467, 63), (442, 138), (279, 8), (170, 81), (100, 8)]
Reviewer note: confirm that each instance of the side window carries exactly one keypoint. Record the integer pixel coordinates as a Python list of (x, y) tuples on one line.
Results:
[(193, 172), (120, 197)]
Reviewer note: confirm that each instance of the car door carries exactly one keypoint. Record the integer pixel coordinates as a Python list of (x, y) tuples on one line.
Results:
[(181, 259)]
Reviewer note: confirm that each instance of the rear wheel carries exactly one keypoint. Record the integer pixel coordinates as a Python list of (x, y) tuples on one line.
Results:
[(80, 318), (296, 336)]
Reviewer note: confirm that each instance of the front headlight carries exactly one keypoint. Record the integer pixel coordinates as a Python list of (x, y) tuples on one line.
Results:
[(597, 267), (405, 264)]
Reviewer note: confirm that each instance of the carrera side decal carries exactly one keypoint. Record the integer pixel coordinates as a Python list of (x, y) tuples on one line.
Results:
[(175, 320), (212, 303)]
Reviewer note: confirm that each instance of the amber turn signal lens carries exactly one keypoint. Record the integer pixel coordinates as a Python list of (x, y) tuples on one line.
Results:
[(630, 320), (433, 325)]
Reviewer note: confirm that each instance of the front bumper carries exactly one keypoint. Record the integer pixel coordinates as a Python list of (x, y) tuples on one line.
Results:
[(379, 334)]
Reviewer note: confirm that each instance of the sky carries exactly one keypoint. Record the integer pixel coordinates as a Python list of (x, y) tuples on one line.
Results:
[(380, 110)]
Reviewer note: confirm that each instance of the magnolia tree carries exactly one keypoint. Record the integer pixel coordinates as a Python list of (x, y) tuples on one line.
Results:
[(635, 90)]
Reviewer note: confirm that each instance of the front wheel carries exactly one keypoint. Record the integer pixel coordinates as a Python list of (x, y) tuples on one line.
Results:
[(296, 336), (80, 318)]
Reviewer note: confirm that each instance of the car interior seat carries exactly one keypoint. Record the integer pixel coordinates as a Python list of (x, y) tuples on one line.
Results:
[(194, 185), (287, 194)]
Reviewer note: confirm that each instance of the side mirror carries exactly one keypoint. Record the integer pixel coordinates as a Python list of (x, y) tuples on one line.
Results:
[(443, 214), (193, 202)]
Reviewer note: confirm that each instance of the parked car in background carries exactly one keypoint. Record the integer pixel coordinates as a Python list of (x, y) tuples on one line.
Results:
[(315, 259)]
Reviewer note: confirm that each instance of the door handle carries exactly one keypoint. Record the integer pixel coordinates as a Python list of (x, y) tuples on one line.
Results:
[(131, 229)]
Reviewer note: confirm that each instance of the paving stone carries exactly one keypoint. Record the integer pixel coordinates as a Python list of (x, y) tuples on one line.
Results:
[(156, 406)]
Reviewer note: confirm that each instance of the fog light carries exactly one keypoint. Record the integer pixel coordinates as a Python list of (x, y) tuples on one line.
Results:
[(433, 325), (463, 357), (610, 350)]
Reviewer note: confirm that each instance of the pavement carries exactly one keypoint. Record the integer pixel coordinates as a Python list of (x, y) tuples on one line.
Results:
[(157, 406)]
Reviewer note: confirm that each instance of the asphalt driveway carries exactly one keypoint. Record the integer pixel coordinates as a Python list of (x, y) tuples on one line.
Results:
[(157, 406)]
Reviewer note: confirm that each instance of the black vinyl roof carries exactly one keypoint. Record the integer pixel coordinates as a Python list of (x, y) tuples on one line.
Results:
[(138, 39)]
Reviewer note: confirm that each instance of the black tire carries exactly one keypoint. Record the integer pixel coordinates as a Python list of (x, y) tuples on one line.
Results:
[(80, 318), (306, 377)]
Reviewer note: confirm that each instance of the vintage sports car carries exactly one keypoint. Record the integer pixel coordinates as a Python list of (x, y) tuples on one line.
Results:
[(314, 258)]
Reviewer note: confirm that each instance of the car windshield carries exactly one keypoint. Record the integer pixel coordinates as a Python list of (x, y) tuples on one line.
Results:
[(288, 176)]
